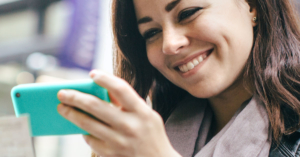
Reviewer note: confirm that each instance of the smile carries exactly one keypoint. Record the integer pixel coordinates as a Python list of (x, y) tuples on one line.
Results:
[(194, 62)]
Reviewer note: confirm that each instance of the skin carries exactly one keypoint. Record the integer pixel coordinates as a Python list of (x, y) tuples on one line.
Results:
[(229, 33), (128, 127)]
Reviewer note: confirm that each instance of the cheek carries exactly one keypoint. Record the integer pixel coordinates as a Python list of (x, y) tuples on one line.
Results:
[(233, 47), (154, 56), (207, 29)]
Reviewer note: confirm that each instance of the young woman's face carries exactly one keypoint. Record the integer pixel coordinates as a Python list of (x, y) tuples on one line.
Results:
[(199, 45)]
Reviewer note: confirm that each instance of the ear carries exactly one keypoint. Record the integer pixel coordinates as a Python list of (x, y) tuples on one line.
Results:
[(251, 11), (253, 16)]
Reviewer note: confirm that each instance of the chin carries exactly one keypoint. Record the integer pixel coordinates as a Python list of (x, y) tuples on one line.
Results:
[(205, 92)]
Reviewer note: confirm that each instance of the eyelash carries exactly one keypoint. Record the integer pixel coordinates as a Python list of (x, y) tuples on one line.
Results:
[(187, 13), (150, 33), (182, 15)]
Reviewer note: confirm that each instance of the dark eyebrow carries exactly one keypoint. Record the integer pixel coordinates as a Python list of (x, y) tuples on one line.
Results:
[(168, 8), (144, 20), (172, 5)]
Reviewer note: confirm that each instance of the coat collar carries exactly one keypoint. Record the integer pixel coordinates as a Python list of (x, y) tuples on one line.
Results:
[(183, 124)]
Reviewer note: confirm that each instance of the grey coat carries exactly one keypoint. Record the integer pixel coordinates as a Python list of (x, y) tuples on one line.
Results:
[(188, 122)]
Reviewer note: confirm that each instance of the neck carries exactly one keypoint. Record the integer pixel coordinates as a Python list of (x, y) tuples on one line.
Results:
[(226, 104)]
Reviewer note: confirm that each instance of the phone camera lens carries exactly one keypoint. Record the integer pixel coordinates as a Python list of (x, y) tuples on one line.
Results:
[(18, 95)]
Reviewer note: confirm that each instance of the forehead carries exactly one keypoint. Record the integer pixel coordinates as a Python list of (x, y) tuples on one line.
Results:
[(148, 7), (142, 6), (152, 7)]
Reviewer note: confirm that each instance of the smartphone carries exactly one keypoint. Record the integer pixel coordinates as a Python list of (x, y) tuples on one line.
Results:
[(39, 101)]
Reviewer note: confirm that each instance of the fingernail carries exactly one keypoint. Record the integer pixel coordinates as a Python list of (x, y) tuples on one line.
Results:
[(93, 73), (62, 94)]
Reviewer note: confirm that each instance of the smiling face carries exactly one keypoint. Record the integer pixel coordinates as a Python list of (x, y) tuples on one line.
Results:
[(199, 45)]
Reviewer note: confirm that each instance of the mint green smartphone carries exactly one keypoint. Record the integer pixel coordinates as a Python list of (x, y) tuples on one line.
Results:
[(40, 101)]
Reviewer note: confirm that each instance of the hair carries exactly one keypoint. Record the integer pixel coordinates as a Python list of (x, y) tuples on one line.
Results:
[(272, 67)]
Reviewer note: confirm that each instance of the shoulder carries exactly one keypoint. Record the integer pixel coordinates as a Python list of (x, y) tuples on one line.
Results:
[(289, 146)]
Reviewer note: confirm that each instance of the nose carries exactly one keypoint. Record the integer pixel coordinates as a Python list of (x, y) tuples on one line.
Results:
[(174, 40)]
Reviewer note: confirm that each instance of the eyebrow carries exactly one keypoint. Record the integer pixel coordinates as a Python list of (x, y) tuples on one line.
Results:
[(168, 8), (172, 5), (144, 20)]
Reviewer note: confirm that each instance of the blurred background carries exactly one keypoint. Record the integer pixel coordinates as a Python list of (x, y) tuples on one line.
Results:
[(52, 41)]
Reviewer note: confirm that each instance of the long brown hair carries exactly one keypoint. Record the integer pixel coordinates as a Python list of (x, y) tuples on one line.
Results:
[(131, 62), (273, 65)]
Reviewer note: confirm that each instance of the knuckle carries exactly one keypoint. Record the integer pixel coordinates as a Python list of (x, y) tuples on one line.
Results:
[(134, 127), (152, 119), (72, 97), (141, 107), (90, 104), (131, 128), (120, 87), (68, 112), (146, 113), (121, 144), (82, 124), (124, 126)]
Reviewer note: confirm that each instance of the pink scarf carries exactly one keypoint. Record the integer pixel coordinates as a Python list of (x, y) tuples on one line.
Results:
[(245, 135)]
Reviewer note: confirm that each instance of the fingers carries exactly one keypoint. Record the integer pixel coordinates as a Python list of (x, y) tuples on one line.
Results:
[(95, 144), (101, 147), (88, 124), (91, 104), (119, 89)]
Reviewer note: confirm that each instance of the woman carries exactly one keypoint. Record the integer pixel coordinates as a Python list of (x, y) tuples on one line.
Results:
[(222, 74)]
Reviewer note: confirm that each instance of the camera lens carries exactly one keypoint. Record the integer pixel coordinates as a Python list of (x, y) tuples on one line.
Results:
[(18, 95)]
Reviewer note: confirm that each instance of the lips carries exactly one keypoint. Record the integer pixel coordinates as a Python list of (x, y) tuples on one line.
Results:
[(192, 61)]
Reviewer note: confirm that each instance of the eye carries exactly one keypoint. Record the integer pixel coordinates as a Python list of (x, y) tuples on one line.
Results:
[(150, 33), (187, 13)]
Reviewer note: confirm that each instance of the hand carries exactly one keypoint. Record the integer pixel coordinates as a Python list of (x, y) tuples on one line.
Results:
[(128, 128)]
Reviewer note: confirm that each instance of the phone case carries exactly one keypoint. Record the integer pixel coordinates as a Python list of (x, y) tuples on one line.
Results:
[(40, 102)]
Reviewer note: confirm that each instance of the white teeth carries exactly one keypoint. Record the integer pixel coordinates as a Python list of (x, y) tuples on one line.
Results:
[(181, 68), (200, 58), (185, 68), (196, 62), (190, 65)]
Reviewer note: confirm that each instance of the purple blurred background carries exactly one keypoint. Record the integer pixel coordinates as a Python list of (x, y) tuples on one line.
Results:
[(52, 41)]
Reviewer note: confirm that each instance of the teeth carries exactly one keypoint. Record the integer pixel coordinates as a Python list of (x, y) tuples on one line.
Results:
[(190, 65), (195, 61), (181, 68), (185, 68), (200, 59)]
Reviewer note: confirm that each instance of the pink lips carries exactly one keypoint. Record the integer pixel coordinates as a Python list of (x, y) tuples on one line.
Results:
[(196, 68), (190, 58)]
